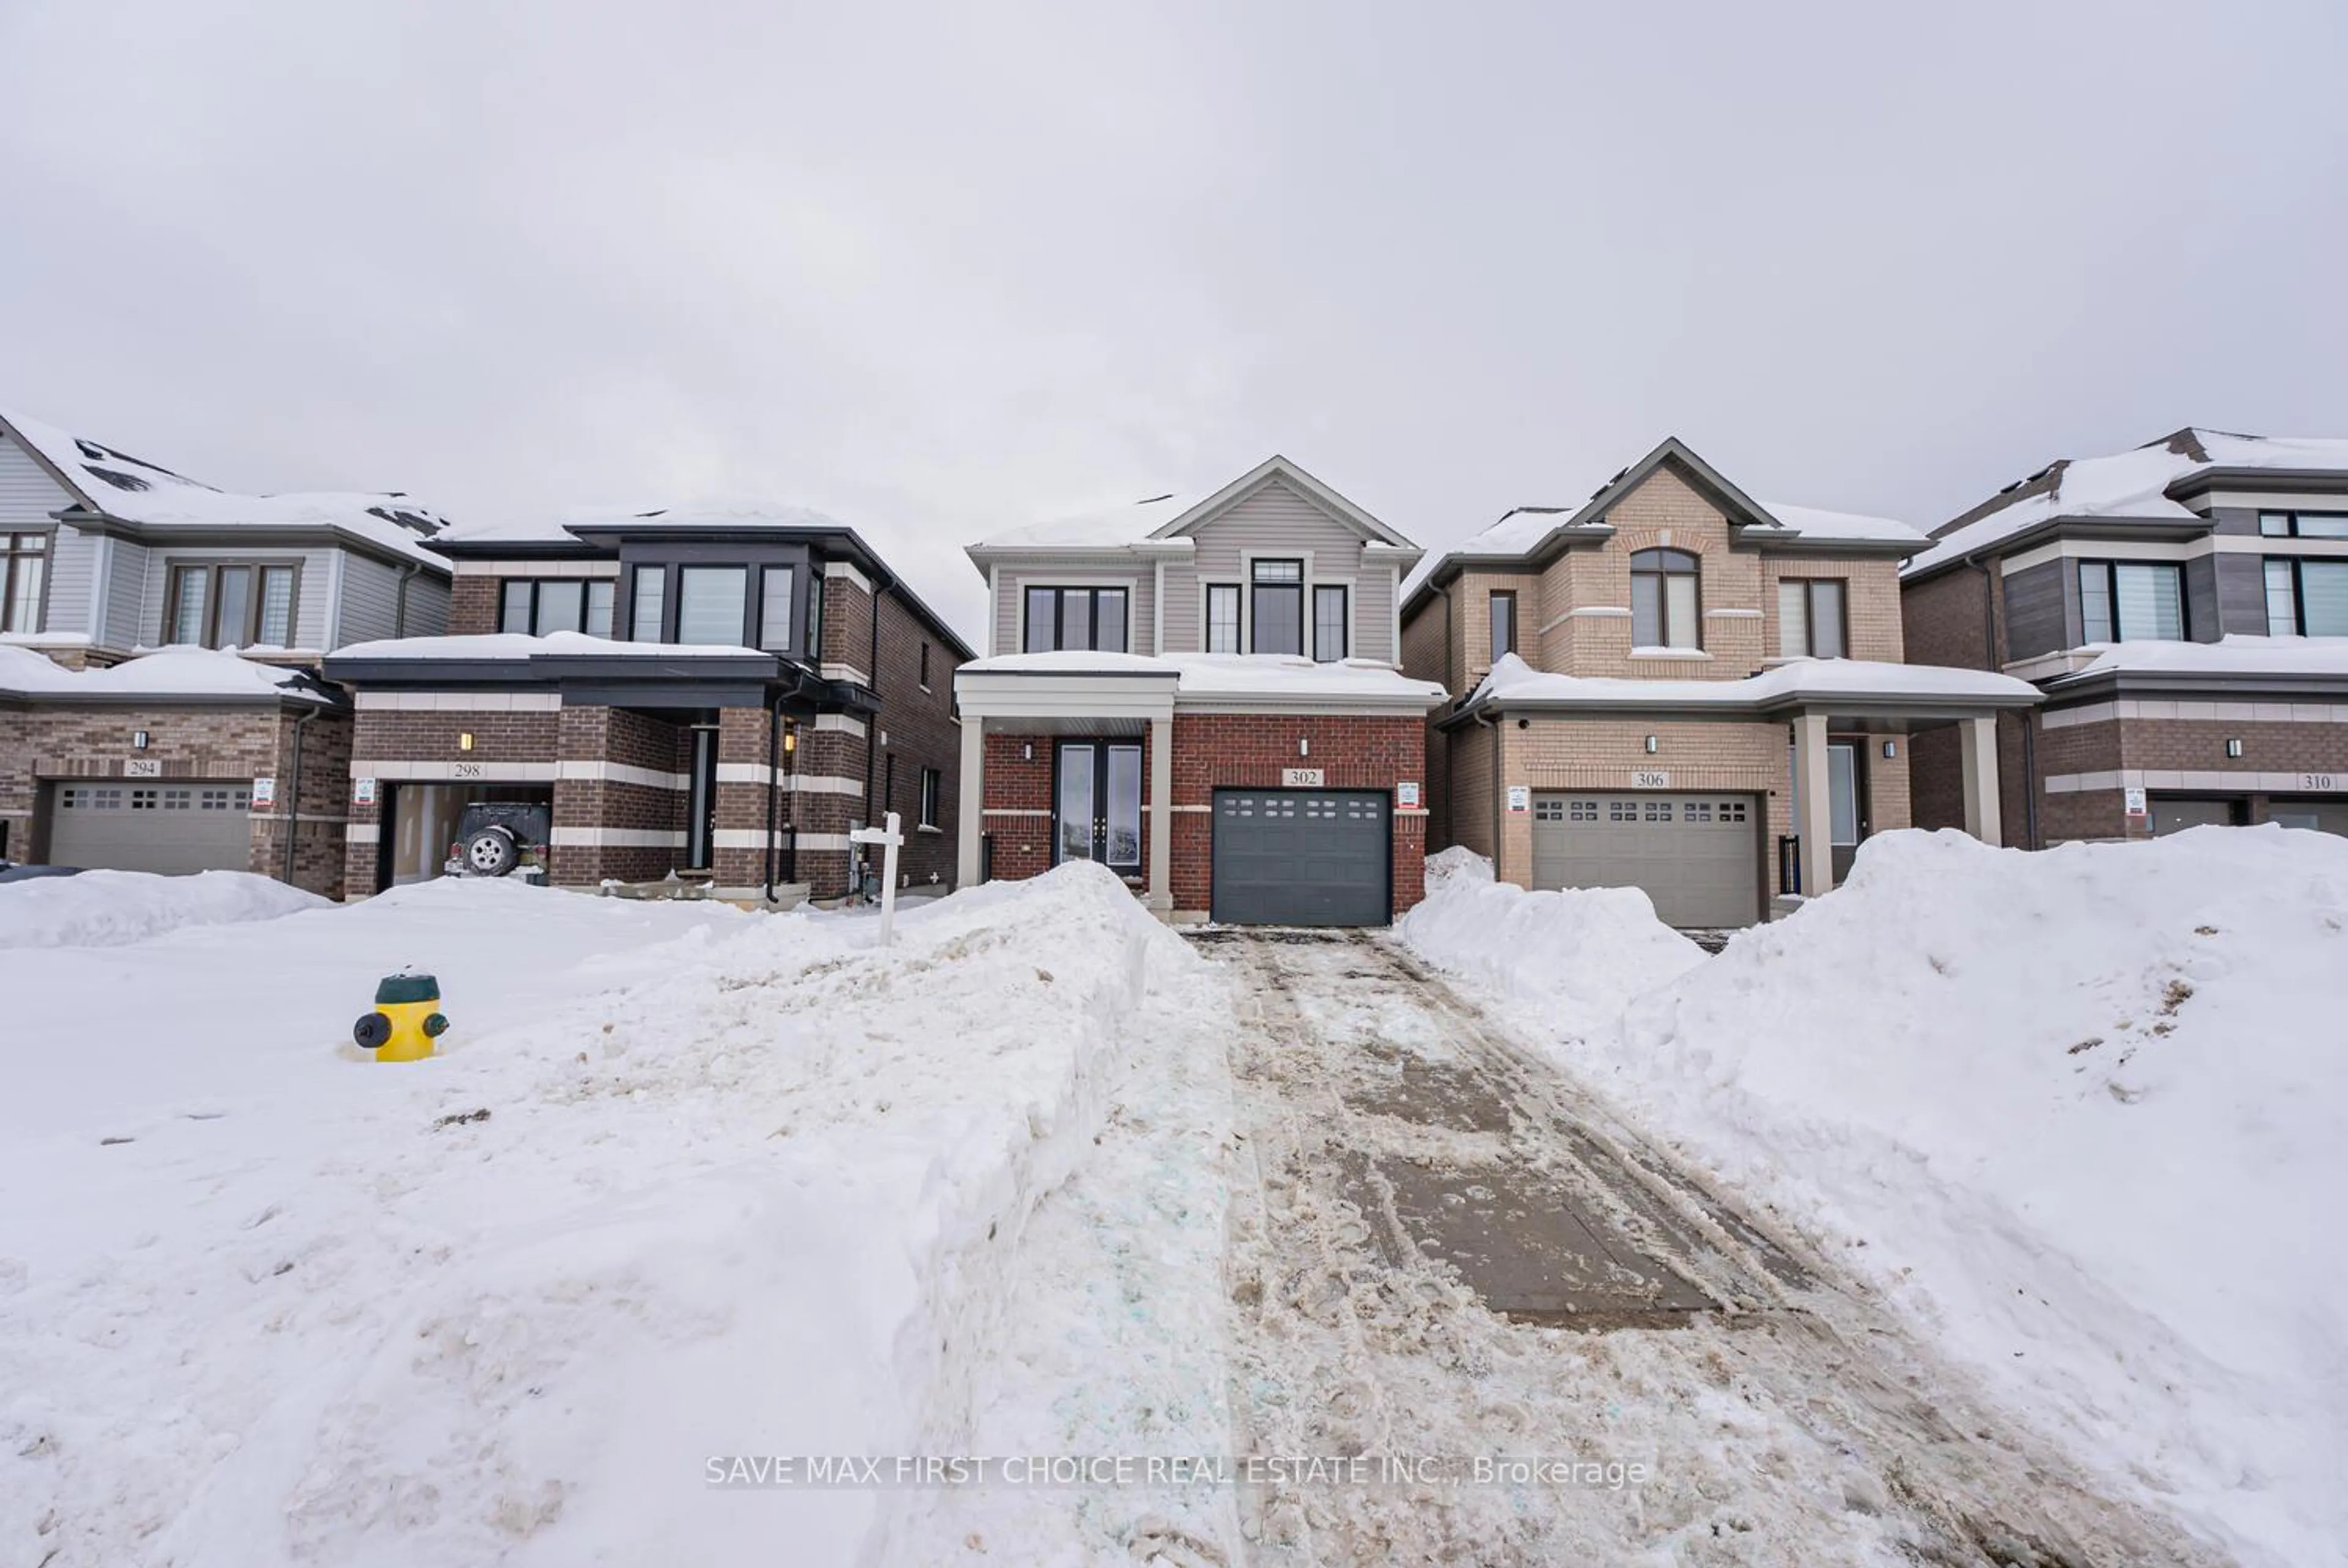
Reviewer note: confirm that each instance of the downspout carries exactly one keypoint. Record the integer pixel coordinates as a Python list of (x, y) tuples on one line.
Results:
[(1499, 789), (774, 788), (399, 600), (882, 584), (294, 795)]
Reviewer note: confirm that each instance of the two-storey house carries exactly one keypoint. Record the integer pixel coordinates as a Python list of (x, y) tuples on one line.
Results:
[(2183, 608), (1677, 688), (1202, 694), (170, 721), (719, 696)]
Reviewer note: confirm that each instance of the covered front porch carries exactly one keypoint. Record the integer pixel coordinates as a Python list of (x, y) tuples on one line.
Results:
[(1833, 751)]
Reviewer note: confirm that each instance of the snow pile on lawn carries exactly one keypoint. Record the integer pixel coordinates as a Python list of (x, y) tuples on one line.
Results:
[(758, 1189), (2088, 1108), (108, 909), (1580, 954)]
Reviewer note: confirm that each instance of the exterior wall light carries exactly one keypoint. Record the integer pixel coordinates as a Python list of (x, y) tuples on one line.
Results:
[(1654, 745), (790, 738), (465, 741), (1304, 746), (2233, 748), (1890, 750), (137, 740), (1027, 750)]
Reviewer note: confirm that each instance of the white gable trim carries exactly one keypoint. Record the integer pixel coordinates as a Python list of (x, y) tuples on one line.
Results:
[(1312, 489)]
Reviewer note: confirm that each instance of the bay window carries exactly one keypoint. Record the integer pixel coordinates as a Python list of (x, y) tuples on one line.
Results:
[(1665, 605), (1279, 607), (2306, 598), (775, 610), (2131, 601), (711, 602), (22, 570), (1810, 618)]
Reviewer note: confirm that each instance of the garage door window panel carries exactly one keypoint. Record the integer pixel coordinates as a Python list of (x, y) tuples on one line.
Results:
[(1666, 601)]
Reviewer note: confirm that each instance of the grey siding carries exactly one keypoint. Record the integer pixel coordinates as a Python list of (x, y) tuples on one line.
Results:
[(2241, 596), (126, 592), (1277, 518), (2038, 613), (310, 599), (2201, 599), (73, 575), (1138, 574), (371, 604), (28, 497)]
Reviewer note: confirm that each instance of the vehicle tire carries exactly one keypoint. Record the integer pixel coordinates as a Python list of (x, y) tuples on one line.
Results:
[(372, 1030), (491, 852)]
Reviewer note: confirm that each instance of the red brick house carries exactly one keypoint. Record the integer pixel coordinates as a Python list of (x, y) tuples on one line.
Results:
[(719, 697), (1204, 696)]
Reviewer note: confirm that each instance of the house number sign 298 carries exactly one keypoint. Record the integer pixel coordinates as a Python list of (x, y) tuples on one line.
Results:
[(465, 769)]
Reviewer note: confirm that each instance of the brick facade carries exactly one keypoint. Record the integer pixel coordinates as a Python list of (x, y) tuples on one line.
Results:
[(1213, 752), (42, 744)]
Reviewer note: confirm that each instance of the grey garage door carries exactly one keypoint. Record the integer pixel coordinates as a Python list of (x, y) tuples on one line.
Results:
[(1302, 858), (1697, 855), (181, 826)]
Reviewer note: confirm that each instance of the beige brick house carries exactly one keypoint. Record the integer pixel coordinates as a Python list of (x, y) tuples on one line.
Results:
[(1675, 687)]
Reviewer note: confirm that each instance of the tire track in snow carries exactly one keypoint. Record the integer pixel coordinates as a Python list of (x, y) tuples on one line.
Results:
[(1790, 1421)]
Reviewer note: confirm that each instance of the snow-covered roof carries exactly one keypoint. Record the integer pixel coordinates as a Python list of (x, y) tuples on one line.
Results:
[(2245, 656), (168, 672), (1812, 523), (137, 491), (494, 646), (1203, 676), (556, 527), (1512, 682), (1108, 527), (2134, 484)]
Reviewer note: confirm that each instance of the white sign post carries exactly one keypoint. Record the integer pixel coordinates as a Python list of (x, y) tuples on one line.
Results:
[(889, 838)]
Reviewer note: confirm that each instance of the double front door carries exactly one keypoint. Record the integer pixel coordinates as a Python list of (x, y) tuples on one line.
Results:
[(1096, 805)]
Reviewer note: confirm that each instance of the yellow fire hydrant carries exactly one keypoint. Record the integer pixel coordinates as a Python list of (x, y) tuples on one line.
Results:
[(407, 1018)]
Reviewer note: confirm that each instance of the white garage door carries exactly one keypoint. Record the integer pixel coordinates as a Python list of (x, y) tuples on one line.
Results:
[(193, 825), (1696, 855)]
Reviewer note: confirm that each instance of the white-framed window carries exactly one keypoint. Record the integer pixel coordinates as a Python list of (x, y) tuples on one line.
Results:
[(2131, 601), (1811, 617), (2306, 598), (1666, 601), (1329, 622), (1222, 618), (231, 604)]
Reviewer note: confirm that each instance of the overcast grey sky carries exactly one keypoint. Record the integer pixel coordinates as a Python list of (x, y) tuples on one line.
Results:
[(941, 270)]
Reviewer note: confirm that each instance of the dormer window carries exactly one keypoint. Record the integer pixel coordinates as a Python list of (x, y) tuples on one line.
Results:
[(1665, 600)]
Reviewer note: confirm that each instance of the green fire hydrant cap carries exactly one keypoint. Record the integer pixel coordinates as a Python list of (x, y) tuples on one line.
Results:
[(406, 989)]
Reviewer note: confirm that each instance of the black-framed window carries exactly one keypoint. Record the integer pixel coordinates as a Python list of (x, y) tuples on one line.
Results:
[(1075, 618), (1666, 599), (1813, 617), (1222, 618), (2131, 601), (22, 569), (647, 603), (2306, 598), (536, 606), (1330, 623), (930, 781), (231, 604), (711, 604), (775, 584), (2304, 525), (926, 666), (1277, 610), (1503, 610)]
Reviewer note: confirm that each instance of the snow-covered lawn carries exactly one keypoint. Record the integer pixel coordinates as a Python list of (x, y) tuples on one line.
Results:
[(102, 908), (688, 1183), (2082, 1113)]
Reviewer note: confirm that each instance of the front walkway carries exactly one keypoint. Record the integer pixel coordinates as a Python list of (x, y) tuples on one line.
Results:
[(1441, 1248)]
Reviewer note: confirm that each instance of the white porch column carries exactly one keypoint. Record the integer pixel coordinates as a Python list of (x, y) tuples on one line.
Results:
[(1160, 900), (1977, 741), (972, 820), (1814, 794)]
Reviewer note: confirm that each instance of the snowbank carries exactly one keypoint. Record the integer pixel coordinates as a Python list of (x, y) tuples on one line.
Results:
[(1580, 954), (756, 1188), (110, 909), (2087, 1111)]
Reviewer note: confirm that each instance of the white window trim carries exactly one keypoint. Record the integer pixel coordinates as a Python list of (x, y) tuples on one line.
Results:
[(1132, 586), (1353, 607), (1247, 597), (1205, 625)]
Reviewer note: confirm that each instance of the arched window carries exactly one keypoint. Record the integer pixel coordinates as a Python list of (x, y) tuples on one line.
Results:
[(1664, 610)]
